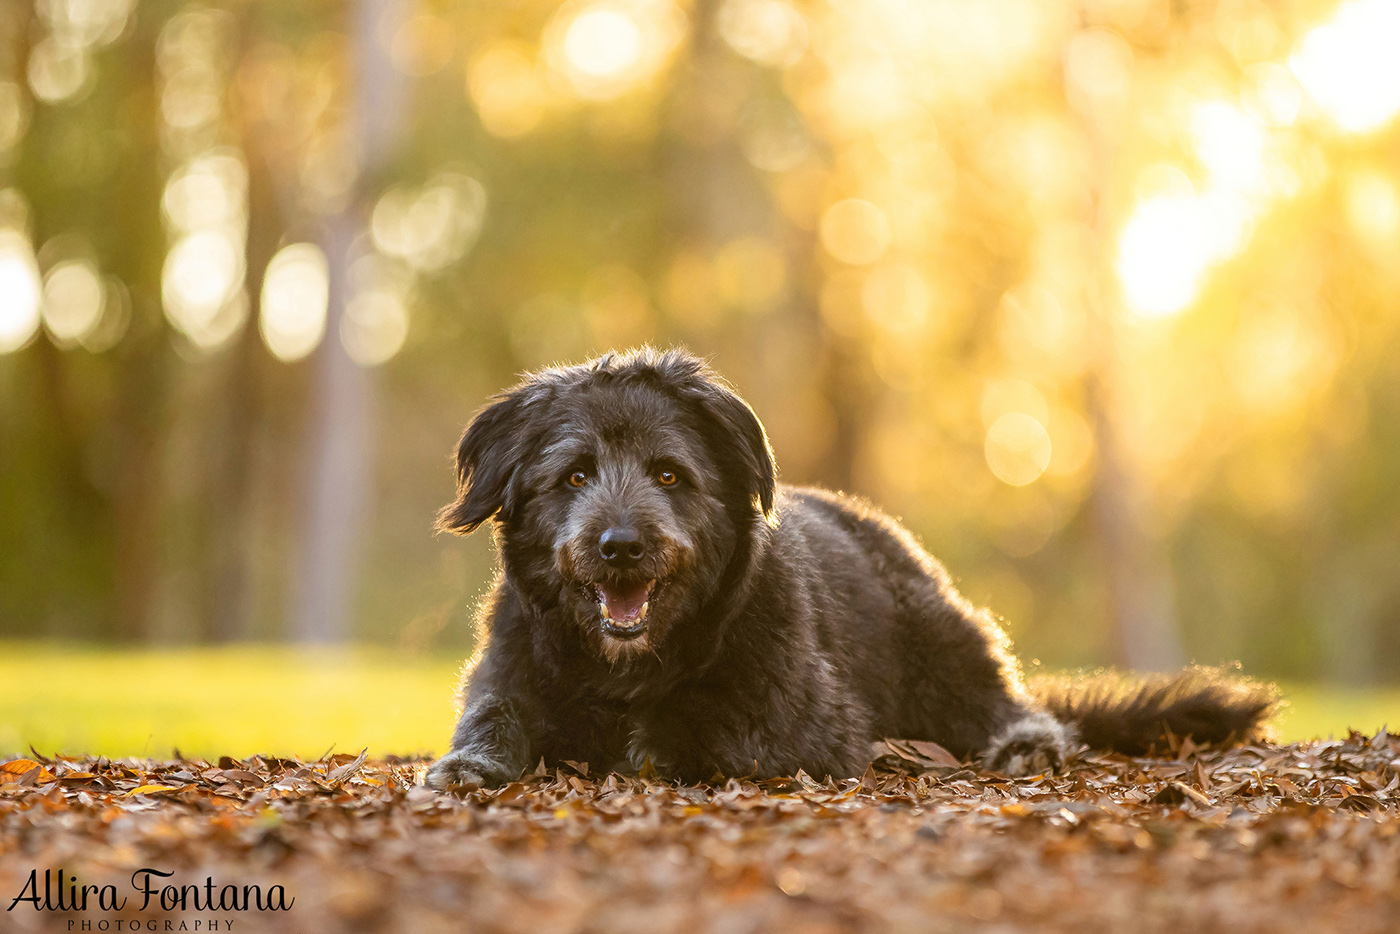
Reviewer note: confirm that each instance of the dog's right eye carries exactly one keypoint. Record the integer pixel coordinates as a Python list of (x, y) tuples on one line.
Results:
[(577, 479)]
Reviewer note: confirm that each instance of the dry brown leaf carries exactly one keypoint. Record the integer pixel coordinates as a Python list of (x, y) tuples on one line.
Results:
[(343, 772)]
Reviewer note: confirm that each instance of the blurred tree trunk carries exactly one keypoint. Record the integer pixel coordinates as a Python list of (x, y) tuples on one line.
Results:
[(1139, 576), (342, 464), (226, 571), (1141, 586), (724, 197), (229, 562), (144, 359), (137, 497)]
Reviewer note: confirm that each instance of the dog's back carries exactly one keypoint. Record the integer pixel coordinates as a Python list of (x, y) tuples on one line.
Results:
[(926, 663), (930, 665)]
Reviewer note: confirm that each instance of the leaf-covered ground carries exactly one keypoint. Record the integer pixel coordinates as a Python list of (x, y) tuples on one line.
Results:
[(1262, 838)]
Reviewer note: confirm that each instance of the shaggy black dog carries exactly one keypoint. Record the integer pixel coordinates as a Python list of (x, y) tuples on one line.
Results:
[(662, 598)]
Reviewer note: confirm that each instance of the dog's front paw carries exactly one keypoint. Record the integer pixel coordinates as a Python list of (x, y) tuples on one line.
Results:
[(1034, 744), (460, 768)]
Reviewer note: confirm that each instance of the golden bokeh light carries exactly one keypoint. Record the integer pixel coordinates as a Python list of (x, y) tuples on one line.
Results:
[(58, 72), (1041, 157), (1279, 358), (1033, 323), (1161, 255), (508, 90), (603, 44), (605, 48), (432, 226), (14, 116), (115, 319), (1249, 31), (1017, 449), (770, 32), (1373, 207), (83, 23), (1009, 395), (191, 52), (1171, 242), (1175, 235), (74, 299), (374, 326), (897, 298), (1231, 145), (201, 279), (292, 312), (895, 55), (865, 90), (1098, 66), (191, 101), (423, 45), (1350, 66), (855, 231), (1272, 94), (208, 191), (773, 137), (750, 273), (20, 291), (204, 205)]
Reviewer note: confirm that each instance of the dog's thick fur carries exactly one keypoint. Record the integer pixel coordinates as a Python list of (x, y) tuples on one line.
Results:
[(783, 628)]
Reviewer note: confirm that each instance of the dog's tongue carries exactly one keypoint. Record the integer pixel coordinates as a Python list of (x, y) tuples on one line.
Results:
[(624, 601)]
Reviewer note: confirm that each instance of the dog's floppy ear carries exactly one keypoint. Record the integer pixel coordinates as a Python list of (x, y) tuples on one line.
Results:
[(739, 438), (491, 449)]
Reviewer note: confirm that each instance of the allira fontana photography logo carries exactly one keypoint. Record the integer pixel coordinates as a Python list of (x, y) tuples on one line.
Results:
[(149, 891)]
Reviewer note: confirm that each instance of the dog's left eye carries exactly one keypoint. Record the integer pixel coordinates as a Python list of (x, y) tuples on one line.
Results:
[(578, 478), (667, 478)]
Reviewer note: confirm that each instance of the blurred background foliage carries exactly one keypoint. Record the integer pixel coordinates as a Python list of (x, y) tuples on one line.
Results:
[(1100, 297)]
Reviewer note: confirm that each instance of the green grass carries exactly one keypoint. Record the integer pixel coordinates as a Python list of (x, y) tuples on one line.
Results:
[(291, 701), (302, 701), (1315, 710)]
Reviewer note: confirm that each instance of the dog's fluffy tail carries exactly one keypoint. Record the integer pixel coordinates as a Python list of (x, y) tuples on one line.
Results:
[(1134, 714)]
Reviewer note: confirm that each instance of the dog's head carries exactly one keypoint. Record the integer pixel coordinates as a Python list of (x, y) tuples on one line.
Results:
[(621, 489)]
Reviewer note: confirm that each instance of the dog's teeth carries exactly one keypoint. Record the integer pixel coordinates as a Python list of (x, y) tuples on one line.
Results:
[(643, 614)]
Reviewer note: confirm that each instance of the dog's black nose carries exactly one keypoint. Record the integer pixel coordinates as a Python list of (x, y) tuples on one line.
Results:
[(621, 548)]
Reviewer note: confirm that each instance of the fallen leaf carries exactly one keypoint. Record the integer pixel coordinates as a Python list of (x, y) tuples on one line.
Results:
[(345, 771), (22, 767), (152, 789)]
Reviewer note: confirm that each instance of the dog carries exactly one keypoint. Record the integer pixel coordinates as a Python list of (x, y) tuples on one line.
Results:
[(663, 599)]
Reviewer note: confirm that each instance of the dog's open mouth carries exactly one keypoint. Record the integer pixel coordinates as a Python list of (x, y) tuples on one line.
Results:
[(622, 607)]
